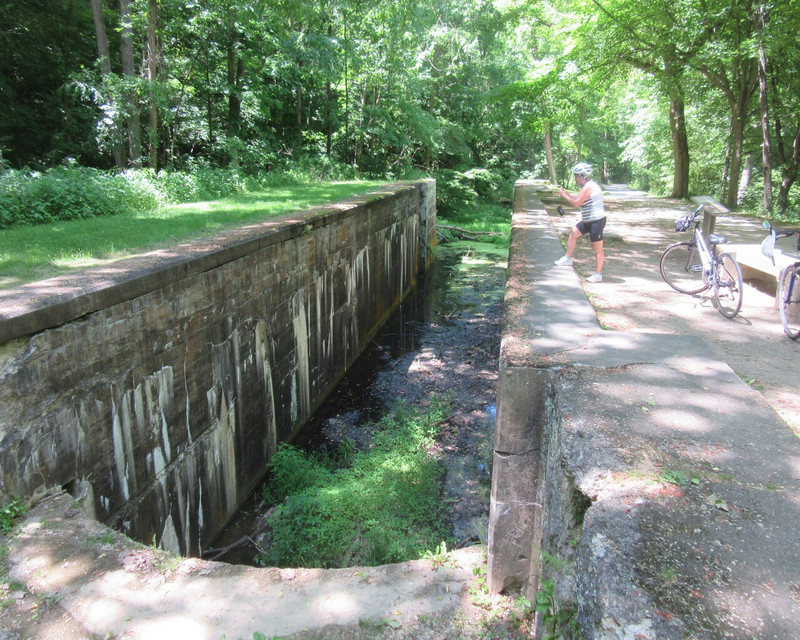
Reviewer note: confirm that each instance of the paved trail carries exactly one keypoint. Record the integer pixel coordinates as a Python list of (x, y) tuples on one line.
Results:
[(633, 295)]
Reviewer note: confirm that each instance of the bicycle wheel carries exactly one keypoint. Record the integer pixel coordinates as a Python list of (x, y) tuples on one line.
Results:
[(682, 269), (728, 285), (790, 301)]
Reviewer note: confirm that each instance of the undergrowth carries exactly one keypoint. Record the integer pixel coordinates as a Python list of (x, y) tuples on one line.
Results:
[(557, 621), (9, 514), (374, 506), (483, 217)]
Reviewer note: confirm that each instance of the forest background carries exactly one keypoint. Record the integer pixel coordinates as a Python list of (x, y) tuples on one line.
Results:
[(195, 99)]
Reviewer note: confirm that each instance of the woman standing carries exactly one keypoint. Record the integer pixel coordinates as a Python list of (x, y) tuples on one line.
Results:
[(593, 218)]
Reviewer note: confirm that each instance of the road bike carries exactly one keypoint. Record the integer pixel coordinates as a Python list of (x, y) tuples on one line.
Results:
[(695, 266), (788, 281)]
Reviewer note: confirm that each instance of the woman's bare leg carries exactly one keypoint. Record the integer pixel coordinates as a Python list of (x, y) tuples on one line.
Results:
[(599, 255)]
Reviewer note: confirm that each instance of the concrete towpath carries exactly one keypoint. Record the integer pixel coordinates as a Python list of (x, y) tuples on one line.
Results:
[(673, 488), (82, 580)]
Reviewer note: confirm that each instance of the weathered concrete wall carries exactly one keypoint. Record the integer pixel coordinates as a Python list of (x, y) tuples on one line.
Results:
[(157, 388), (540, 317)]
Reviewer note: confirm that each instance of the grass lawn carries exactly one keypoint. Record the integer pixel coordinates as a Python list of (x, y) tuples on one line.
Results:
[(33, 253)]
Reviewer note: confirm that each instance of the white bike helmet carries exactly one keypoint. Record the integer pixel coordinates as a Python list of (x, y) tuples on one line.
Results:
[(582, 169)]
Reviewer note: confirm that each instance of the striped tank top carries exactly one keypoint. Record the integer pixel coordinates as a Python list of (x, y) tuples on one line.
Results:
[(593, 209)]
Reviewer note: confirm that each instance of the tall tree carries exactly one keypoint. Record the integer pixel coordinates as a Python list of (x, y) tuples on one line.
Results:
[(104, 53), (659, 39), (779, 38), (129, 71), (727, 63), (153, 54), (766, 145)]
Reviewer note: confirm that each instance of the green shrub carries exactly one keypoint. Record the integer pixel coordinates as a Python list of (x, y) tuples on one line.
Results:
[(68, 193), (311, 169), (9, 514), (74, 193), (292, 471), (199, 184), (384, 507), (486, 183), (454, 191)]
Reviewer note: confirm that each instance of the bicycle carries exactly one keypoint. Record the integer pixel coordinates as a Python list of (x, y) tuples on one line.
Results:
[(695, 266), (788, 281)]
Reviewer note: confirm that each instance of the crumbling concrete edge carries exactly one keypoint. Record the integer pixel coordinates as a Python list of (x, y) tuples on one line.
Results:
[(539, 499)]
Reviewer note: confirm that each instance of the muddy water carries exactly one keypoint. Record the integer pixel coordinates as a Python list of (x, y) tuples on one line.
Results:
[(451, 322)]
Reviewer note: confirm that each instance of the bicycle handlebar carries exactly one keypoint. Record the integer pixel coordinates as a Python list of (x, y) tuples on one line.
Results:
[(688, 219), (768, 243)]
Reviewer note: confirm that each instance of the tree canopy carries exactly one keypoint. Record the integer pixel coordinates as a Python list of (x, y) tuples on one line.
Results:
[(677, 97)]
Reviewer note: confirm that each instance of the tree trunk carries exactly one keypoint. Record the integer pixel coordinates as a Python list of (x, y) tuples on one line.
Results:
[(548, 150), (129, 70), (209, 103), (580, 130), (766, 145), (346, 51), (680, 145), (747, 176), (105, 70), (737, 141), (328, 119), (359, 146), (789, 173), (235, 73), (102, 37), (298, 108), (726, 167), (152, 76)]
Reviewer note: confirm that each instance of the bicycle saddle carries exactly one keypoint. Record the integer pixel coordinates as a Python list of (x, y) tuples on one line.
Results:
[(715, 239)]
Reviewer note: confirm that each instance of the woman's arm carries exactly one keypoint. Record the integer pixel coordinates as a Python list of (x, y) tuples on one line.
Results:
[(579, 198)]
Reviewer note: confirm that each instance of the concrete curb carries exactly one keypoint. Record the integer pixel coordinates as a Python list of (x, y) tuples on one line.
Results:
[(107, 585)]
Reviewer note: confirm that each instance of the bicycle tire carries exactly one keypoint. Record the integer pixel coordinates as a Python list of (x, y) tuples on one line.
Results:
[(789, 292), (728, 285), (682, 268)]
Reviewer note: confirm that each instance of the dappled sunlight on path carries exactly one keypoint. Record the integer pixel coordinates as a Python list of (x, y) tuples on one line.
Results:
[(634, 296)]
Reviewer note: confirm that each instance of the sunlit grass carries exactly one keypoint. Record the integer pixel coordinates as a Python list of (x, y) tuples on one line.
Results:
[(383, 504), (492, 218), (33, 253)]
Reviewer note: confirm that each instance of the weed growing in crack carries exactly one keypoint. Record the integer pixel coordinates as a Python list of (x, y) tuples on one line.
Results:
[(10, 513), (558, 621)]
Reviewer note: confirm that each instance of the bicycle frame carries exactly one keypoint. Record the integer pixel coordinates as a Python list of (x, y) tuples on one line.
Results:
[(792, 280), (718, 271), (706, 257)]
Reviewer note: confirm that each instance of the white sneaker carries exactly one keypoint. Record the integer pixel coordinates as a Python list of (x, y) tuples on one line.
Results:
[(564, 261), (595, 277)]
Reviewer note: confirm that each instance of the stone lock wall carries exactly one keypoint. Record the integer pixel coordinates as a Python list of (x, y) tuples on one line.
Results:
[(157, 388)]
